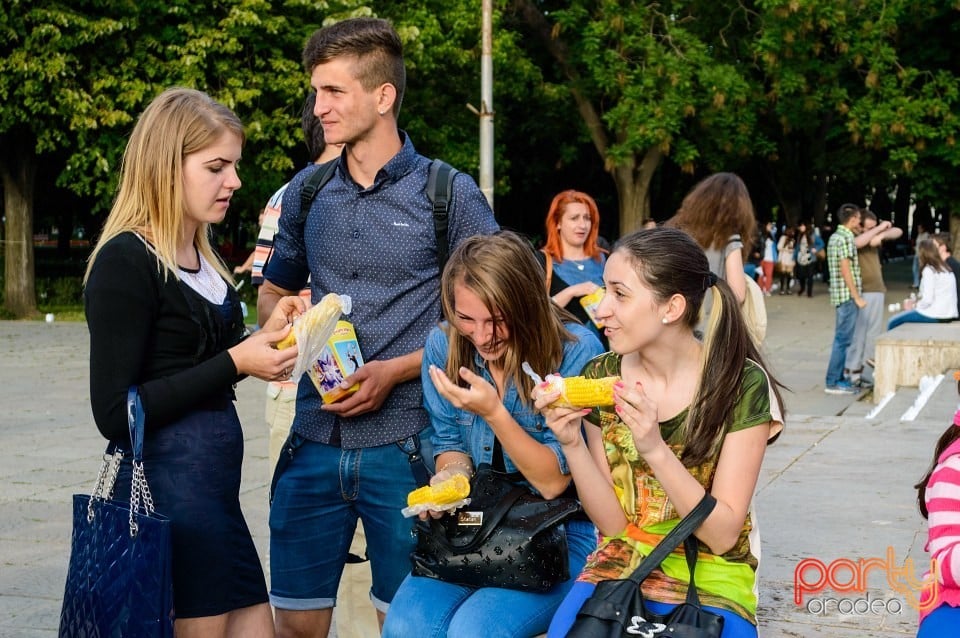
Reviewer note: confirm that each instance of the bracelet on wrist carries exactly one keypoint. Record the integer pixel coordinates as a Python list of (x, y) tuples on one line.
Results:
[(466, 466)]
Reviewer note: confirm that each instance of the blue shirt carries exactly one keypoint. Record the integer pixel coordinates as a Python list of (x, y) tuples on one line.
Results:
[(378, 246), (462, 431), (576, 271)]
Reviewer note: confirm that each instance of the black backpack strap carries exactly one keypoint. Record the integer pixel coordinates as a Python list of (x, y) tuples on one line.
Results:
[(312, 185), (440, 192)]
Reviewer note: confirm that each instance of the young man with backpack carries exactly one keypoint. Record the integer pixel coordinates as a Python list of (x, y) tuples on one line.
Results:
[(369, 233)]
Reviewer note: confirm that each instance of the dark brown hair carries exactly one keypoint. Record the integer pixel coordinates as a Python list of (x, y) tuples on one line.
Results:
[(951, 434), (375, 45), (670, 262), (846, 211), (312, 128)]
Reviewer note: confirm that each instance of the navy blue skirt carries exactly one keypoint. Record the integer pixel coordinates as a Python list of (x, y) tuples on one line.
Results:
[(193, 469)]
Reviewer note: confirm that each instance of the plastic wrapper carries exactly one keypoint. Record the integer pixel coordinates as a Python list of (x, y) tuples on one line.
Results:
[(441, 496), (313, 329), (590, 303)]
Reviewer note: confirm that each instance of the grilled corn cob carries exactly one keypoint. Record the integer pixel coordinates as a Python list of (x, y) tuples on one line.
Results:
[(328, 308), (451, 490), (580, 392)]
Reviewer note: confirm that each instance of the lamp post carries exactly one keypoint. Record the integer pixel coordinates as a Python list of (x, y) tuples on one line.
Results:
[(486, 101)]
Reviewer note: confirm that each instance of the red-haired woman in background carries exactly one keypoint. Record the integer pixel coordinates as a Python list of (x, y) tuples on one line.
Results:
[(572, 257)]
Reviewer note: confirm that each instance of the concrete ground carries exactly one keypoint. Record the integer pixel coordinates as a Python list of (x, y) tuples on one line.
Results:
[(837, 486)]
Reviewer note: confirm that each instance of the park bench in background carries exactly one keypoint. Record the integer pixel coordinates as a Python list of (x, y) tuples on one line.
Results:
[(914, 350)]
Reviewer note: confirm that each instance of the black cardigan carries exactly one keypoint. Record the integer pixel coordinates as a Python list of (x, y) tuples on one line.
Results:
[(157, 334)]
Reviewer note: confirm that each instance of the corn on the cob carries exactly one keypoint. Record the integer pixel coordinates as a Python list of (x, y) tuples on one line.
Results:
[(321, 314), (580, 392), (451, 490), (287, 341)]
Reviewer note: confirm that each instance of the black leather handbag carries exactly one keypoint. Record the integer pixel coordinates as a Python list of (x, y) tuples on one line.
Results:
[(616, 608), (120, 578), (506, 537)]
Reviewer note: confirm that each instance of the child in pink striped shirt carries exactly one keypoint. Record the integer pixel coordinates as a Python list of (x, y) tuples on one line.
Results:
[(938, 496)]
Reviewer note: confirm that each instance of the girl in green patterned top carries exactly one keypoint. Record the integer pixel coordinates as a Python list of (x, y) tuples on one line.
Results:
[(689, 416)]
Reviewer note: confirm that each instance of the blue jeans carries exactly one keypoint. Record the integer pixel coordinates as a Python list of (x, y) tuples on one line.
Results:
[(909, 316), (941, 623), (429, 608), (842, 337), (734, 626), (319, 495)]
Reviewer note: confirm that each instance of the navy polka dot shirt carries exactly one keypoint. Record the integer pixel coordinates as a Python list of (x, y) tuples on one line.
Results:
[(378, 246)]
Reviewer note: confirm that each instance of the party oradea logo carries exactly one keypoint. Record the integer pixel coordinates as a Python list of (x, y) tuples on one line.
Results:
[(850, 577)]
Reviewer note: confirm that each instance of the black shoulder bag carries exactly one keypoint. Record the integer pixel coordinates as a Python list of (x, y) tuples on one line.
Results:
[(506, 537), (617, 610)]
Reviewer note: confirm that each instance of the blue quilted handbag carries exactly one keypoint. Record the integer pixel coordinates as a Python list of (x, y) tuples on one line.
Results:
[(119, 581)]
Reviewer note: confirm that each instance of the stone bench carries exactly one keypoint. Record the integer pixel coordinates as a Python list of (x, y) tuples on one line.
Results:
[(914, 350)]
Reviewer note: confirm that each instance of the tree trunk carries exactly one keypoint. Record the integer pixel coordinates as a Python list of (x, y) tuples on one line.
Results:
[(633, 188), (820, 196), (954, 231), (18, 165), (881, 204), (792, 211), (901, 206)]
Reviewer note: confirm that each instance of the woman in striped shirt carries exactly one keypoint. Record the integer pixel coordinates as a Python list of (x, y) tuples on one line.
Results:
[(938, 496)]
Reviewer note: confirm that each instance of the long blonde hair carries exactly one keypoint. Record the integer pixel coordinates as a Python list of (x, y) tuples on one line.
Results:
[(150, 198), (503, 272)]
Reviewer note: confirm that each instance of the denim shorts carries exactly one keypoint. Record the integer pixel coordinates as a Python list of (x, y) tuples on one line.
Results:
[(320, 491)]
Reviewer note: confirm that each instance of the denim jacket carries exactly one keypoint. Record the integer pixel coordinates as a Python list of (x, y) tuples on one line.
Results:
[(462, 431)]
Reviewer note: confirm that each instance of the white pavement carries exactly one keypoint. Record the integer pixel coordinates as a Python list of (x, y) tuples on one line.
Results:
[(836, 486)]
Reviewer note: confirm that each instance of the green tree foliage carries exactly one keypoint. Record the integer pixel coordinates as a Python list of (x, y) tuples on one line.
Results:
[(811, 100), (650, 80), (810, 95), (834, 73), (73, 79)]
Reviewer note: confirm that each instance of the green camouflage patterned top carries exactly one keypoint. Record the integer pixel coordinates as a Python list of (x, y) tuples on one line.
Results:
[(726, 581)]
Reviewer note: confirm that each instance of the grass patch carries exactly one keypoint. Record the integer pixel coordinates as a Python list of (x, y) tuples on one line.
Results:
[(63, 312)]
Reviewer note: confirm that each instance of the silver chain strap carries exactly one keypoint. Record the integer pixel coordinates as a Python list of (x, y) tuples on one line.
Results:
[(112, 475), (106, 479), (139, 489)]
